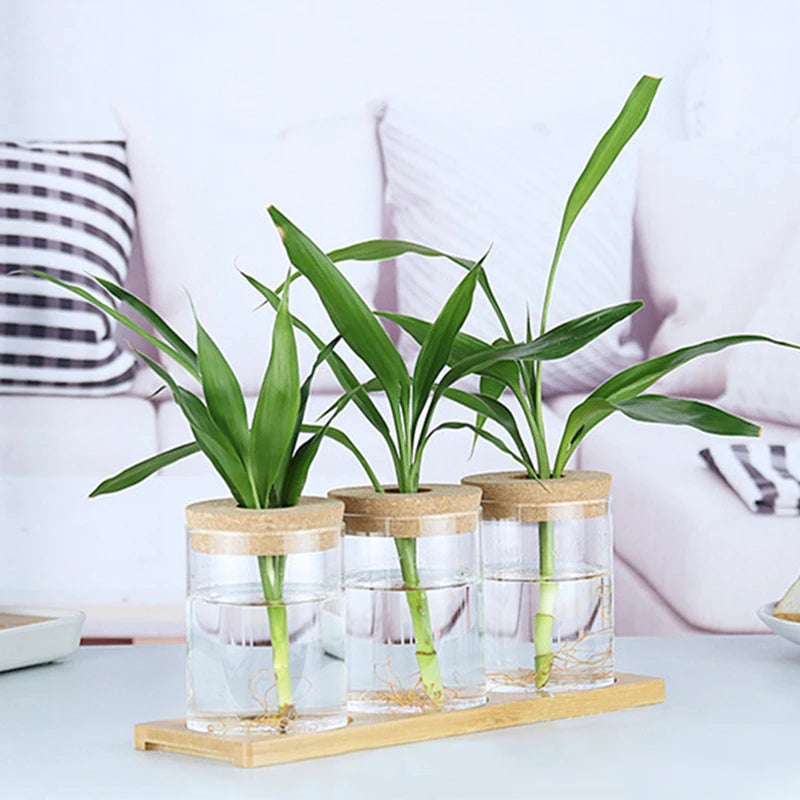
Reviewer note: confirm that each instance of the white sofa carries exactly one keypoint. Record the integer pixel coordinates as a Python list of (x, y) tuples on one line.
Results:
[(229, 106)]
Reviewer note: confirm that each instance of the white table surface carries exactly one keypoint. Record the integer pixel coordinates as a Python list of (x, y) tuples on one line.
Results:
[(730, 728)]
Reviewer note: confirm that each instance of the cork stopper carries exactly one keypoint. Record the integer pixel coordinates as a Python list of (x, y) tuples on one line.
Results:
[(220, 526), (579, 494), (437, 509)]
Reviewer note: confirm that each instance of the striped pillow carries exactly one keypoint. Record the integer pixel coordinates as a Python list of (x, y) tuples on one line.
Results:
[(66, 209)]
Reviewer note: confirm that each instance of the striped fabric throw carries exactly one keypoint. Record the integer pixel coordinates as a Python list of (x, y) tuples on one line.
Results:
[(66, 208), (765, 476)]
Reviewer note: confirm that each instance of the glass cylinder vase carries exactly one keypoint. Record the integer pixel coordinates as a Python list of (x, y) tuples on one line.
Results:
[(265, 618), (547, 581), (414, 627)]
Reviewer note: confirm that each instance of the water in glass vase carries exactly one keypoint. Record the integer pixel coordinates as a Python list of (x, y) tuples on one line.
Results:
[(383, 672), (582, 639), (231, 684)]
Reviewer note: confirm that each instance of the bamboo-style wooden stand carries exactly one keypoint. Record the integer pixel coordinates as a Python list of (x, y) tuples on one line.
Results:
[(365, 732)]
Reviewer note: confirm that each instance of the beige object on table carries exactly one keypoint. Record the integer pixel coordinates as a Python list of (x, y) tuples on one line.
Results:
[(369, 731), (436, 509), (789, 605), (579, 494), (222, 527)]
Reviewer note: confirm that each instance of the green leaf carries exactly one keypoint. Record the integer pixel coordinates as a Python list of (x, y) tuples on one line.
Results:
[(159, 324), (343, 439), (558, 342), (439, 341), (211, 438), (383, 249), (144, 469), (489, 387), (165, 348), (297, 472), (305, 389), (489, 407), (301, 462), (342, 372), (636, 379), (277, 409), (677, 411), (610, 146), (222, 392), (372, 385), (464, 346), (350, 315), (483, 434)]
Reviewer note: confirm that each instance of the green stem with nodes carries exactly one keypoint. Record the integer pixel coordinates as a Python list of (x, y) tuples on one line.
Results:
[(427, 659), (548, 591), (272, 570), (417, 599)]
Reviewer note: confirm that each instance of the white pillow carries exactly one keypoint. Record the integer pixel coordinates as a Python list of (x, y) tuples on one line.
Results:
[(460, 186), (712, 220), (202, 189), (762, 379)]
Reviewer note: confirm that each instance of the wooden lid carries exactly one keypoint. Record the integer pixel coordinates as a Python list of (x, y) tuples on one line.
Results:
[(437, 509), (221, 526), (579, 494)]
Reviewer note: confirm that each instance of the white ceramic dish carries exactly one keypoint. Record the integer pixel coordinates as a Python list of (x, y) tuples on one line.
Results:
[(783, 627), (38, 642)]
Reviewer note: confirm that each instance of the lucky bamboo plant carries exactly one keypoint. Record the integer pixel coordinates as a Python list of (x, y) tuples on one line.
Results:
[(262, 462), (518, 370), (413, 396)]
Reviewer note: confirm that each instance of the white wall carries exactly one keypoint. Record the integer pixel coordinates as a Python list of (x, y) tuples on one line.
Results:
[(264, 64)]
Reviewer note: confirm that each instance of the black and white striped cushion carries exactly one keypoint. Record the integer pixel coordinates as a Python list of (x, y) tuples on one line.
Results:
[(66, 208), (765, 476)]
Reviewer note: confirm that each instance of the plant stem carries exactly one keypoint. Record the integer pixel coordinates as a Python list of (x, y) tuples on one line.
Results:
[(279, 633), (548, 590), (417, 599), (272, 569)]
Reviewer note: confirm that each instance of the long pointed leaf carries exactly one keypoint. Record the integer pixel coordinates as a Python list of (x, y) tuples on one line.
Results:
[(438, 344), (222, 392), (489, 387), (349, 313), (631, 116), (488, 407), (305, 388), (343, 439), (464, 345), (638, 378), (383, 249), (297, 471), (144, 469), (124, 320), (372, 385), (341, 371), (558, 342), (483, 434), (146, 312), (278, 405), (299, 466), (211, 439), (677, 411)]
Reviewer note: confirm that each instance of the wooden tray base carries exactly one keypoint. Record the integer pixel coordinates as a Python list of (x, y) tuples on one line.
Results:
[(366, 732)]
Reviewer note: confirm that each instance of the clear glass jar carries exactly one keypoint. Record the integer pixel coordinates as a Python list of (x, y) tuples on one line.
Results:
[(548, 599), (265, 618), (414, 599)]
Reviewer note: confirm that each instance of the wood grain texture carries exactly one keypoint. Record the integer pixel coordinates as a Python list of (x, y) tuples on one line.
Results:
[(366, 732)]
